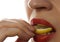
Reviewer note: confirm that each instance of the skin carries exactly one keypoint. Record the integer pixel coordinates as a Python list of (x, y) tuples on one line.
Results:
[(13, 27), (45, 9)]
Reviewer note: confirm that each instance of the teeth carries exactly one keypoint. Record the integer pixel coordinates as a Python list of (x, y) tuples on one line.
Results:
[(49, 33), (40, 26), (46, 33)]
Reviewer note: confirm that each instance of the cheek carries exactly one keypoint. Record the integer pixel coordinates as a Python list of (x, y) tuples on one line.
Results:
[(56, 4), (28, 10)]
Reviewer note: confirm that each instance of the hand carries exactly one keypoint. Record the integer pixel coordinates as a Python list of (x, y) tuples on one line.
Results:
[(12, 27)]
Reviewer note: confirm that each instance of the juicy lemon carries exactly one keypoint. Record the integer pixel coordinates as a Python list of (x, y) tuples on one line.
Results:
[(43, 31)]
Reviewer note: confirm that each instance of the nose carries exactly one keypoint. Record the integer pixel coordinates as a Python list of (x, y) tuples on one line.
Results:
[(40, 4)]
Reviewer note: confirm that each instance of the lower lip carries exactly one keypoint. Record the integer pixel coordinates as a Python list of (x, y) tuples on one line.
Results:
[(42, 38)]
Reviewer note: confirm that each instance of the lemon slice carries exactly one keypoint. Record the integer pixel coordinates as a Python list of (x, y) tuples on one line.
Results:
[(43, 31)]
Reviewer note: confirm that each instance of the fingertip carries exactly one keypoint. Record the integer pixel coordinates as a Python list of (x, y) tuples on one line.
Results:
[(33, 29)]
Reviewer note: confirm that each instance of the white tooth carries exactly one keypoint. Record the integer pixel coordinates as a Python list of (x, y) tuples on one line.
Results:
[(49, 33), (44, 34), (52, 32)]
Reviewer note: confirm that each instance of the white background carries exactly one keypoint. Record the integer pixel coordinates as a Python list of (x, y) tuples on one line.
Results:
[(12, 9)]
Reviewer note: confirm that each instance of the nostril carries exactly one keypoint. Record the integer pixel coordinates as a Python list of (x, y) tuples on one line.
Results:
[(43, 8)]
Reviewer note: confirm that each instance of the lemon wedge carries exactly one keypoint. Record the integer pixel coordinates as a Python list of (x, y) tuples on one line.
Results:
[(43, 31)]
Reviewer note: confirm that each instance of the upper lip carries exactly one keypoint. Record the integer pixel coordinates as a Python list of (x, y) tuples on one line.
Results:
[(35, 21)]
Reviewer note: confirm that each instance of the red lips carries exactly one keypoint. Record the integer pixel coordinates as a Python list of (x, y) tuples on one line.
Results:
[(40, 21), (42, 38)]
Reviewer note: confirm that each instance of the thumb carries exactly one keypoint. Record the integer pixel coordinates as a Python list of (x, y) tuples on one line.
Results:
[(20, 40), (2, 35), (6, 32)]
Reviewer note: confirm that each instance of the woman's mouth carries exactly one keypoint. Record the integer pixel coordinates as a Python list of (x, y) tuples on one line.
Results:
[(44, 30)]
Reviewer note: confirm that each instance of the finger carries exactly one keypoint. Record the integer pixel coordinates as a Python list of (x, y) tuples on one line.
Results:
[(21, 26), (7, 24), (13, 31), (24, 36), (4, 32), (31, 28), (10, 20), (24, 26), (19, 40), (28, 25)]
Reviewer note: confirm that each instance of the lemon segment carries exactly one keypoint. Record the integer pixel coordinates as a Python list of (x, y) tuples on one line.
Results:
[(43, 31)]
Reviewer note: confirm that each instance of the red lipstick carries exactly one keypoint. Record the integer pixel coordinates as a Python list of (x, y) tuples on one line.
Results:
[(42, 38)]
